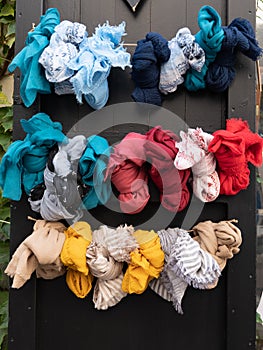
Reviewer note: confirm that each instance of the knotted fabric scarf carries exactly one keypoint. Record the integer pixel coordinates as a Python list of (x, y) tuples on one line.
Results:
[(61, 197), (97, 54), (128, 174), (185, 53), (185, 264), (38, 252), (161, 151), (73, 255), (149, 54), (62, 48), (253, 142), (92, 168), (146, 262), (193, 153), (222, 240), (229, 150), (233, 149), (120, 242), (25, 160), (66, 162), (107, 290), (210, 39), (33, 79), (239, 36)]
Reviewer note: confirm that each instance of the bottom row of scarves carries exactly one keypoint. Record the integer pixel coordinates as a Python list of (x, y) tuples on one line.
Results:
[(120, 261)]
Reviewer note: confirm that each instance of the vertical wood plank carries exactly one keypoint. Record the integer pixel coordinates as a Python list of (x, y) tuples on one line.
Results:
[(242, 273), (22, 302), (68, 9)]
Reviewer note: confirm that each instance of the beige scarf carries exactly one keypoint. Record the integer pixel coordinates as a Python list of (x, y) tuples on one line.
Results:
[(221, 240), (38, 252)]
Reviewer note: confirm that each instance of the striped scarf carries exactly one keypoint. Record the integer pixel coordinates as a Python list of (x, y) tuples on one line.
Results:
[(185, 264)]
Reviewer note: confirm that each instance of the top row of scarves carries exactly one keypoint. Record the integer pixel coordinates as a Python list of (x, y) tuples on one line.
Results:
[(62, 56)]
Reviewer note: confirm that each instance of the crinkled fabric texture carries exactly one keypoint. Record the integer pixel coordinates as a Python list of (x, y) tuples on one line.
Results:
[(90, 79), (239, 36), (120, 242), (38, 252), (64, 88), (49, 206), (55, 57), (233, 149), (253, 142), (193, 153), (33, 80), (210, 39), (97, 54), (62, 195), (161, 151), (185, 263), (24, 162), (229, 150), (222, 240), (108, 271), (146, 263), (92, 169), (73, 255), (185, 53), (126, 170), (149, 54), (66, 180)]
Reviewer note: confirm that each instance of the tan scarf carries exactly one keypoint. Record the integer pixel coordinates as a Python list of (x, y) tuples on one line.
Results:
[(38, 252), (221, 240)]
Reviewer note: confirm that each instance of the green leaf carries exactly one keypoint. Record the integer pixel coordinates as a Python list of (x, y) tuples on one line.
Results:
[(10, 40), (5, 213), (3, 99), (7, 10), (11, 28), (5, 141), (6, 20), (4, 254), (258, 318)]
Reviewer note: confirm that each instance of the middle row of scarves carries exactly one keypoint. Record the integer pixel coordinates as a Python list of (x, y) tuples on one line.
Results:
[(63, 176), (62, 56)]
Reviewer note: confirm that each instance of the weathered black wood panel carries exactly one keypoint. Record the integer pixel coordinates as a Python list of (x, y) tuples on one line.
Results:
[(45, 314)]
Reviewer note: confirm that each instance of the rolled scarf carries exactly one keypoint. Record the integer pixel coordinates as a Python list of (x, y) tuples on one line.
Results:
[(93, 63), (120, 242), (185, 53), (126, 169), (92, 169), (229, 149), (149, 54), (25, 160), (253, 142), (146, 262), (62, 48), (66, 163), (161, 151), (107, 290), (73, 256), (62, 196), (210, 39), (193, 153), (185, 264), (33, 79), (222, 240), (38, 252), (239, 36)]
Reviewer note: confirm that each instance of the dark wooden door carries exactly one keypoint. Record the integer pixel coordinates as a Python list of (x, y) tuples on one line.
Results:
[(46, 314)]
